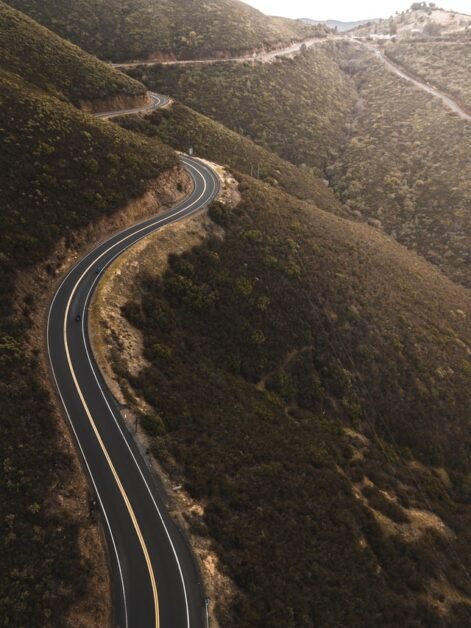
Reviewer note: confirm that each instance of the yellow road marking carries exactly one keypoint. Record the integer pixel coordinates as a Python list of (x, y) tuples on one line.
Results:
[(113, 470)]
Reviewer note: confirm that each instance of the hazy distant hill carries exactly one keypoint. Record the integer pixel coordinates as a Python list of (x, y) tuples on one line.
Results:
[(138, 29), (339, 25)]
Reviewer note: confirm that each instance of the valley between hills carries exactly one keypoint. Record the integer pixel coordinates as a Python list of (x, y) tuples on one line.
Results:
[(235, 382)]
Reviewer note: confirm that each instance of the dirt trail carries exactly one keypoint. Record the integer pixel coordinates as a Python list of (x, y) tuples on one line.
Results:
[(448, 101), (294, 49), (259, 56)]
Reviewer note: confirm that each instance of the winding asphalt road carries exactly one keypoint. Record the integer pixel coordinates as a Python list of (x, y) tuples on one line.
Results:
[(154, 578)]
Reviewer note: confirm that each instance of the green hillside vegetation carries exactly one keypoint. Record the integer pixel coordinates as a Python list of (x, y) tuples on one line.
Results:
[(263, 347), (443, 64), (56, 66), (294, 107), (138, 29), (406, 164), (182, 128), (59, 170)]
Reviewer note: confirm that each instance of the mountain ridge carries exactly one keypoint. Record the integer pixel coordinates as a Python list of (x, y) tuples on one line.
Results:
[(141, 29)]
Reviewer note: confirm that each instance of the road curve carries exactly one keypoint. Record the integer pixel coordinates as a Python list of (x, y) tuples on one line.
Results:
[(157, 101), (154, 577)]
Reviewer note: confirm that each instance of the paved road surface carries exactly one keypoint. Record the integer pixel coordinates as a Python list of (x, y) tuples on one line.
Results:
[(154, 578), (156, 102)]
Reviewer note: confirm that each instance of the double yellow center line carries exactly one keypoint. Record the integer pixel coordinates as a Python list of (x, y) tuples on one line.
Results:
[(108, 459)]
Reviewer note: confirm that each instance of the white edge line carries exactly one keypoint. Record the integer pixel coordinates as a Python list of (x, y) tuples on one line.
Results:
[(87, 299), (97, 492), (157, 102)]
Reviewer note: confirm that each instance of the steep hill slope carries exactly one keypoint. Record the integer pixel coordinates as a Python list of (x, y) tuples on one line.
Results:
[(295, 107), (139, 29), (406, 166), (307, 381), (445, 64), (60, 171), (58, 67), (393, 153), (182, 128)]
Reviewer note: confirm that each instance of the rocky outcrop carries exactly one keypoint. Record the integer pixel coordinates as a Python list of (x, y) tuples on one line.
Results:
[(116, 103)]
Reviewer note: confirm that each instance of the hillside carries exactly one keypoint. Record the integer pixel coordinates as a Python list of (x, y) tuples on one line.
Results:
[(418, 22), (58, 67), (394, 155), (296, 108), (60, 172), (141, 29), (300, 378), (307, 385), (405, 165), (182, 128), (444, 64)]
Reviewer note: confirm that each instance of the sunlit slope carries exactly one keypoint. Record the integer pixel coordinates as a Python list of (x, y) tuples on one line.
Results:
[(138, 29), (297, 108), (185, 129), (55, 65)]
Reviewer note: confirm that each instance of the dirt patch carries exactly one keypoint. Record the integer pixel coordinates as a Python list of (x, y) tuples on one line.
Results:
[(72, 498), (117, 344), (420, 521), (442, 596)]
